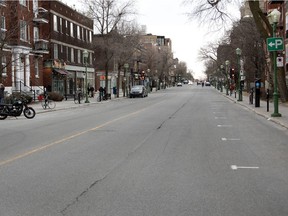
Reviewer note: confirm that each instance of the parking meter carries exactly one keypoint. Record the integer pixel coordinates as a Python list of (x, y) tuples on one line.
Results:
[(257, 92)]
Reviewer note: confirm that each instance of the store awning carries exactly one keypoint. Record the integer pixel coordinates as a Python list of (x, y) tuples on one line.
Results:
[(60, 71)]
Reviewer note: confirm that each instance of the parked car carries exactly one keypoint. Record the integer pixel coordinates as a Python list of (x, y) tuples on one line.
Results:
[(207, 84), (179, 84), (138, 91)]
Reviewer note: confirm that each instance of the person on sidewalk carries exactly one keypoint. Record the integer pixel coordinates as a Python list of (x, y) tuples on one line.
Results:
[(92, 91), (101, 93), (2, 94)]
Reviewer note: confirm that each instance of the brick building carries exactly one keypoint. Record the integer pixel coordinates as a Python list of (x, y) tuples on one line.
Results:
[(21, 56), (42, 45), (69, 35)]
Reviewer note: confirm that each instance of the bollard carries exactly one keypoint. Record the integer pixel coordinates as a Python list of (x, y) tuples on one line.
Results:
[(251, 95)]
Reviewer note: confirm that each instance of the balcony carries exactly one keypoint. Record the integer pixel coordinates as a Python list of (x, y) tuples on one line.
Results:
[(40, 20), (40, 15), (41, 46), (275, 1), (3, 3)]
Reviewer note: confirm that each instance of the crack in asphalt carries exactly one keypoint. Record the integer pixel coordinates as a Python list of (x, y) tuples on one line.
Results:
[(82, 194), (63, 211), (171, 116)]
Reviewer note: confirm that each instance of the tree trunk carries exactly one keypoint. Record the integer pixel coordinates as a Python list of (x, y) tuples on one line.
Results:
[(282, 84), (266, 31)]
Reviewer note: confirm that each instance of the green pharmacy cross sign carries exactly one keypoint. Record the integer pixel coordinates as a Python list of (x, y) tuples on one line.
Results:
[(275, 44)]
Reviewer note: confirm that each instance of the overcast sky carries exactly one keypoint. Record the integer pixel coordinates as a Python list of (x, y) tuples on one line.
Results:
[(167, 18)]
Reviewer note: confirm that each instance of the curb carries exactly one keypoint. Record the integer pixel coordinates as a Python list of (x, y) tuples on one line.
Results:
[(267, 117)]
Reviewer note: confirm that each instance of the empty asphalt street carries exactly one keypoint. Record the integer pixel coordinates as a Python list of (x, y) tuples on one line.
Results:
[(182, 151)]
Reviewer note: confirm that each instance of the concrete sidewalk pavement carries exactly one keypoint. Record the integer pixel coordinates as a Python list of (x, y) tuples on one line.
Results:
[(262, 110), (67, 104)]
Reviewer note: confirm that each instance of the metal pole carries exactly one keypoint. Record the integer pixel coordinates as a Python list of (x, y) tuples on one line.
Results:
[(239, 79), (86, 85), (275, 94)]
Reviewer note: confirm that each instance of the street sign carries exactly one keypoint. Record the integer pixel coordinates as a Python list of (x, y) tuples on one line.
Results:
[(275, 44), (280, 61)]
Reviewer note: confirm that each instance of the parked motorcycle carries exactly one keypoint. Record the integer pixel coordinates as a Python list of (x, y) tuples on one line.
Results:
[(16, 108)]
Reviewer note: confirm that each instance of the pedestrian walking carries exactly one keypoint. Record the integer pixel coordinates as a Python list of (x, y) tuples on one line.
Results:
[(92, 91), (101, 92), (2, 88)]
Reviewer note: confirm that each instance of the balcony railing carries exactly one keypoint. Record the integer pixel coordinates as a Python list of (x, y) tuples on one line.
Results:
[(275, 1), (3, 3), (41, 46), (40, 14)]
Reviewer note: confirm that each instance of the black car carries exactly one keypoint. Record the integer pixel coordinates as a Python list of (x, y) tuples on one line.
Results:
[(138, 91)]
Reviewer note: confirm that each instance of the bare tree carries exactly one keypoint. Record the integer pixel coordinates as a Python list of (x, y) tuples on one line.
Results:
[(108, 15), (217, 14)]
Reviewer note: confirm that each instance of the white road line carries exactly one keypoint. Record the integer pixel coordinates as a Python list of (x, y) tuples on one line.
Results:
[(224, 125), (235, 167), (229, 139)]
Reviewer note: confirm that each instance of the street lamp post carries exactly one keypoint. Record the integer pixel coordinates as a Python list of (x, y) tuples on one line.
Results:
[(85, 56), (273, 18), (126, 66), (222, 69), (238, 53), (227, 63)]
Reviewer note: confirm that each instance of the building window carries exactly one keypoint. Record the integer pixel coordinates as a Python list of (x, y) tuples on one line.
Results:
[(3, 28), (66, 27), (23, 30), (78, 32), (60, 25), (4, 66), (67, 53), (3, 22), (36, 68), (55, 24), (71, 30), (79, 56), (36, 34), (72, 55), (90, 36), (82, 36), (55, 51), (23, 2)]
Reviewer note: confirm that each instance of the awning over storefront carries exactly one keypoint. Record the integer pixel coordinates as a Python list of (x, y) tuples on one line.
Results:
[(60, 71)]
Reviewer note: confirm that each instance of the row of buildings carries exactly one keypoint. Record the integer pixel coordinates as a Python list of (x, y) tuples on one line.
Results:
[(43, 45)]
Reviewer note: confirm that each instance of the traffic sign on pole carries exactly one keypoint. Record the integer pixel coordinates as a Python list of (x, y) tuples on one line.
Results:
[(275, 44)]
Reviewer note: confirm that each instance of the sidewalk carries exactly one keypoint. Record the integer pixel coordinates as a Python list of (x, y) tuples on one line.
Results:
[(68, 104), (262, 110)]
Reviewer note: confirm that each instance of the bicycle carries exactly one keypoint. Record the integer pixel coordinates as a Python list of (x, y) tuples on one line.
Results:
[(48, 103), (78, 98)]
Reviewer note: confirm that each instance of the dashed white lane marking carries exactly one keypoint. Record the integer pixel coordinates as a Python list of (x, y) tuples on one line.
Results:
[(235, 167), (224, 125), (229, 139)]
